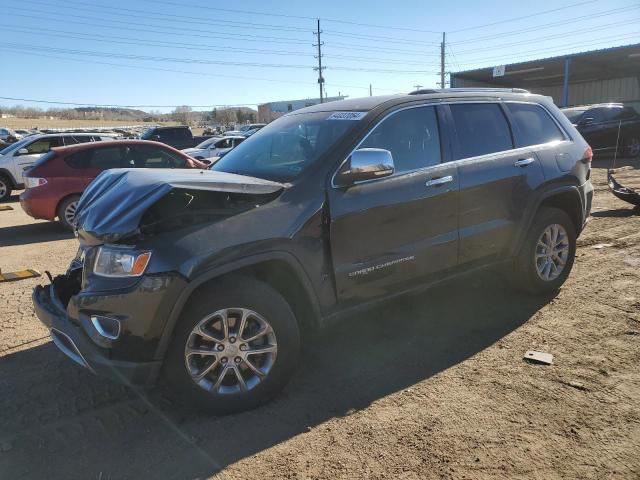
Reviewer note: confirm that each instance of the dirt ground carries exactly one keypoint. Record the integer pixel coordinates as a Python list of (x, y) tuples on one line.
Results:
[(60, 123), (428, 387)]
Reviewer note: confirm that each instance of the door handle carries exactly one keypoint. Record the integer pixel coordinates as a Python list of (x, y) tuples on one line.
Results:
[(523, 162), (439, 181)]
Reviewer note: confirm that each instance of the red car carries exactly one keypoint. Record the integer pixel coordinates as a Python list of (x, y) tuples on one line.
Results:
[(56, 181)]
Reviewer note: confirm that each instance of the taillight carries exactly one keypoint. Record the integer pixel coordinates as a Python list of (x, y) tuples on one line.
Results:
[(588, 155), (33, 182)]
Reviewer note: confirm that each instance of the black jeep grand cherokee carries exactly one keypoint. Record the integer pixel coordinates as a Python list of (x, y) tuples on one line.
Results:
[(206, 278)]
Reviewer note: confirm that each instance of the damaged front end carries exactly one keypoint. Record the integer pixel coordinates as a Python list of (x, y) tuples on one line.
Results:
[(109, 310), (126, 203)]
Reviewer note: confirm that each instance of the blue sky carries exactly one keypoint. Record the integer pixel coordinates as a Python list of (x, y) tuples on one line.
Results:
[(202, 53)]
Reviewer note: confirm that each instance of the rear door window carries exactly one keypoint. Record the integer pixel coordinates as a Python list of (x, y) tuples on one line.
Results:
[(481, 128), (534, 124), (119, 156), (412, 137), (147, 156)]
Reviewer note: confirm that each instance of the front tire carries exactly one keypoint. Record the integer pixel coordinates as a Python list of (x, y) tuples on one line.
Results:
[(235, 346), (546, 257), (5, 188)]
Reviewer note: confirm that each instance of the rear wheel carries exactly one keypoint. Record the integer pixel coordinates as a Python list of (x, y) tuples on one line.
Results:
[(632, 146), (546, 257), (5, 188), (67, 212), (235, 347)]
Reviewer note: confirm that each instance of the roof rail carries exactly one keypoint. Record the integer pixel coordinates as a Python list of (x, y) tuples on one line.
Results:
[(425, 91)]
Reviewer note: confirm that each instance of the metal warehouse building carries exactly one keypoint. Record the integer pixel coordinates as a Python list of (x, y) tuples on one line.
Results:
[(598, 76)]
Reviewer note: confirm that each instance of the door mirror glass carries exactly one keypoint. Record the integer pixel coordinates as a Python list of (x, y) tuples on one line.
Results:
[(366, 164), (23, 151)]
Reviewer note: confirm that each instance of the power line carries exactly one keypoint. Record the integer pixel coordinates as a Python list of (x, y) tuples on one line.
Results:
[(171, 70), (231, 23), (112, 105), (548, 25), (194, 46), (172, 17), (300, 17), (549, 50), (550, 37), (252, 38), (513, 19), (195, 60)]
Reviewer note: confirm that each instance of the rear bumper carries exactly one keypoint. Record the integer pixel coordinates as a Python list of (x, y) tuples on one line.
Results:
[(37, 205), (77, 345)]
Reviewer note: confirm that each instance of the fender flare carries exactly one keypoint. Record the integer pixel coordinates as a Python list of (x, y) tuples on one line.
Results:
[(547, 192), (230, 267)]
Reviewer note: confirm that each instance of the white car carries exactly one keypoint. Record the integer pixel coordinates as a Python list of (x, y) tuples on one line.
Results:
[(19, 156), (214, 147), (245, 129), (5, 133)]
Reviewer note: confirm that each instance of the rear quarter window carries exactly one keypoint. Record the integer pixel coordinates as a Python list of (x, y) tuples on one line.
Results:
[(481, 129), (534, 125)]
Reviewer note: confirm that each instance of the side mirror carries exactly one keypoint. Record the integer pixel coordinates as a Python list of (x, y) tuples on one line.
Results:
[(586, 121), (23, 151), (366, 164), (156, 138)]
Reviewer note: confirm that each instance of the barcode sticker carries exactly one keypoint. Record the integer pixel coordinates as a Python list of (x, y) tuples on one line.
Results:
[(346, 115)]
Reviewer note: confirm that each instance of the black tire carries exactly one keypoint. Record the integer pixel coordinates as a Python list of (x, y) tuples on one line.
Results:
[(6, 187), (632, 147), (62, 208), (525, 274), (234, 292)]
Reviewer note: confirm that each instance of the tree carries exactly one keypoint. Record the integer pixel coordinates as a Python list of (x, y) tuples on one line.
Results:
[(182, 115)]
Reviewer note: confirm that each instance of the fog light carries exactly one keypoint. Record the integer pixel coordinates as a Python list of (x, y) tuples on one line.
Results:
[(106, 326)]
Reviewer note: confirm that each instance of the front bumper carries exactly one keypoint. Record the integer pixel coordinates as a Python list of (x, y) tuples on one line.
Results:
[(76, 344)]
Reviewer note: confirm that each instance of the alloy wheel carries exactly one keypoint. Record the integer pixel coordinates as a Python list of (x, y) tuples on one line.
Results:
[(552, 252), (230, 351), (70, 212), (3, 188)]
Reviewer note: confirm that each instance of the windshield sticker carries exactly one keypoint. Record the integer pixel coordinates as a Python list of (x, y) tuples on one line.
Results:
[(346, 115)]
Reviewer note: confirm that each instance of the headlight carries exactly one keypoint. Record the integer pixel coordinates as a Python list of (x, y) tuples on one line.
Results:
[(120, 262)]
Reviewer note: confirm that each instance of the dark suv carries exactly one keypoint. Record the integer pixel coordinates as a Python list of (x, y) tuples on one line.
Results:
[(607, 125), (206, 278), (177, 137)]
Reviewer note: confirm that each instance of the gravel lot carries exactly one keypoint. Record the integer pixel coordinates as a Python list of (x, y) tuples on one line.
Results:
[(427, 387)]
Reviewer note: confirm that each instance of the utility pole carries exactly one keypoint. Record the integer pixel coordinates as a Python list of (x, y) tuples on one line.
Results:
[(319, 68), (442, 55), (370, 90), (417, 87)]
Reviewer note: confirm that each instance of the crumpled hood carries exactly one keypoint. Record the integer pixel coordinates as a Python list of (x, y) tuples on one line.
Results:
[(114, 204)]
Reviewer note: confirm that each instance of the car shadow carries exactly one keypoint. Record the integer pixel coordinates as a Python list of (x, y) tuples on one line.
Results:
[(15, 198), (33, 233), (59, 421), (617, 213)]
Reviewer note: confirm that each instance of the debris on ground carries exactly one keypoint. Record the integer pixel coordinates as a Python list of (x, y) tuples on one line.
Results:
[(539, 357), (5, 207), (602, 245)]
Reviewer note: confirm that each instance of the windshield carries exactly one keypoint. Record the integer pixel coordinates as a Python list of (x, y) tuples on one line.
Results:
[(15, 146), (573, 114), (282, 150)]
